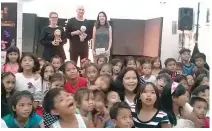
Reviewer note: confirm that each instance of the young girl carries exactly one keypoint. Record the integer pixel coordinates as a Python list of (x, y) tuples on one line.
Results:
[(7, 90), (102, 115), (190, 81), (83, 63), (104, 82), (130, 62), (12, 59), (29, 65), (73, 81), (147, 70), (202, 79), (85, 102), (92, 72), (156, 66), (42, 62), (23, 115), (56, 62), (46, 72), (117, 67), (148, 110), (106, 69), (128, 84), (181, 79), (101, 59), (57, 80), (173, 101), (62, 104)]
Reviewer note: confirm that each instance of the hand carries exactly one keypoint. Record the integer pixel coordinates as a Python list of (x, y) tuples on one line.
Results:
[(55, 43), (77, 32)]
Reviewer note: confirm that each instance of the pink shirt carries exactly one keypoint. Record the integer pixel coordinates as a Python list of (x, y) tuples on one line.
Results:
[(10, 68)]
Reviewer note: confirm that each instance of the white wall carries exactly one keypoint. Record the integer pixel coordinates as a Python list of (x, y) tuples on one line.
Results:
[(126, 9)]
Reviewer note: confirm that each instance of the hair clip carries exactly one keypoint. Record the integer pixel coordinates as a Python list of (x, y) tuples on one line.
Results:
[(174, 86)]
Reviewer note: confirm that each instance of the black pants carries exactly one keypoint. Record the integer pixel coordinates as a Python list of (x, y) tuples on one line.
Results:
[(76, 51)]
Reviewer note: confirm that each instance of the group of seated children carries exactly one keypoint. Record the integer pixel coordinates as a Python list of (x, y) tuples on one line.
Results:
[(133, 93)]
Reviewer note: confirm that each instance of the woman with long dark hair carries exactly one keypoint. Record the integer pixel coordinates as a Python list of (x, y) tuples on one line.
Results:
[(53, 38), (102, 36)]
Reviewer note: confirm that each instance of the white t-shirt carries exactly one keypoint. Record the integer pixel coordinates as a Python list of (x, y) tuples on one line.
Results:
[(151, 79), (29, 84), (3, 124)]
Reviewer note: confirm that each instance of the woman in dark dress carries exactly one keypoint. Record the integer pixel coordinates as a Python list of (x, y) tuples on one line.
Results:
[(53, 38)]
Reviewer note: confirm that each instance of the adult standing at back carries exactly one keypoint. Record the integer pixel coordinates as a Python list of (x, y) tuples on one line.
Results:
[(77, 30), (102, 36), (53, 38)]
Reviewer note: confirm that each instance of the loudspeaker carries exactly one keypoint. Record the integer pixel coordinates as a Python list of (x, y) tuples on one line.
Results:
[(185, 19)]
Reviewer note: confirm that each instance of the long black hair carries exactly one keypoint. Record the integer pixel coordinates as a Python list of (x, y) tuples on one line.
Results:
[(36, 63), (119, 82), (12, 49), (166, 100), (97, 23), (138, 101), (3, 90)]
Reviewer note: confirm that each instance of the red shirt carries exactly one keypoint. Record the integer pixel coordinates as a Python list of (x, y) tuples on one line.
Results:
[(81, 82), (206, 123)]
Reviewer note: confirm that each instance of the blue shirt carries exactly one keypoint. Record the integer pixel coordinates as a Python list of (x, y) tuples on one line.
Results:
[(188, 70), (33, 122)]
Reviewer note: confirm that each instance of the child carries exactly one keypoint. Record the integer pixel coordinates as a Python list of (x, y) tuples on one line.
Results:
[(117, 67), (187, 65), (147, 70), (92, 72), (148, 110), (200, 60), (101, 59), (73, 81), (202, 79), (173, 100), (165, 71), (23, 115), (57, 80), (85, 102), (128, 82), (25, 78), (42, 62), (12, 59), (61, 104), (112, 98), (190, 81), (121, 116), (104, 82), (156, 66), (7, 90), (179, 68), (202, 91), (102, 115), (139, 63), (83, 63), (46, 72), (130, 62), (200, 108), (57, 62), (181, 79), (106, 69), (170, 64), (161, 81)]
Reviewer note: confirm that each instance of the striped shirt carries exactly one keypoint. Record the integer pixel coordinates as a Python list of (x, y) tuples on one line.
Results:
[(131, 104), (159, 118)]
